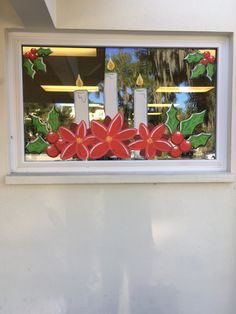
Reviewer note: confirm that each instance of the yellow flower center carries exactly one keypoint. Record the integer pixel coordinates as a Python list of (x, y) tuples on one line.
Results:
[(149, 140), (79, 140), (108, 139)]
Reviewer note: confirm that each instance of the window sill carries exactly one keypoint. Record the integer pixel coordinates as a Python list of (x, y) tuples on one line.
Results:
[(47, 178)]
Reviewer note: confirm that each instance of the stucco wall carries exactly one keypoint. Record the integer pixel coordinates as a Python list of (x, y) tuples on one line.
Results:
[(212, 15), (125, 249)]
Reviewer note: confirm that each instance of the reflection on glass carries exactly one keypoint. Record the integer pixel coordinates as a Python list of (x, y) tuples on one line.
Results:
[(168, 77)]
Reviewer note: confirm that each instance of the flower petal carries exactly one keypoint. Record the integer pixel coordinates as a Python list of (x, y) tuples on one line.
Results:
[(126, 134), (119, 149), (158, 132), (143, 131), (163, 146), (82, 151), (81, 129), (89, 140), (68, 151), (116, 124), (150, 151), (98, 130), (99, 150), (137, 145), (67, 135)]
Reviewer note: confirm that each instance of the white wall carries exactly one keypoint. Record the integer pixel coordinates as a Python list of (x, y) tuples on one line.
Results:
[(119, 249), (183, 15), (52, 8)]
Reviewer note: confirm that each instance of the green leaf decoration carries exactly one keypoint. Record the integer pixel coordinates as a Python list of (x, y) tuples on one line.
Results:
[(53, 119), (187, 126), (194, 57), (37, 146), (39, 125), (210, 70), (200, 139), (39, 65), (29, 68), (172, 122), (198, 70), (44, 52)]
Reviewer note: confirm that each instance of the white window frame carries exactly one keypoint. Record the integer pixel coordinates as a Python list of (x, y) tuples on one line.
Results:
[(126, 170)]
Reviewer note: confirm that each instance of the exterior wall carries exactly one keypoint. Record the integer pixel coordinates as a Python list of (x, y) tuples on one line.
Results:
[(125, 249), (183, 15)]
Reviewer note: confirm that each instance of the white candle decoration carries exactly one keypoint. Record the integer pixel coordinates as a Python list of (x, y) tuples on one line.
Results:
[(140, 106), (81, 106), (110, 94)]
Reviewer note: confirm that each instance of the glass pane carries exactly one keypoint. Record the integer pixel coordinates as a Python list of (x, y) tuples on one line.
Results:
[(166, 98)]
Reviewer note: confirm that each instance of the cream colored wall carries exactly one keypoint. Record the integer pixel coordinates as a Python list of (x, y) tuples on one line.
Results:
[(201, 15), (52, 8), (119, 249)]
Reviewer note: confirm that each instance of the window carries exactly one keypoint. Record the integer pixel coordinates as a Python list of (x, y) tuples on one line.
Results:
[(89, 103)]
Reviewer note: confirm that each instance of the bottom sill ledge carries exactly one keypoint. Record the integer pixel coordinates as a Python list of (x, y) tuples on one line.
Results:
[(67, 178)]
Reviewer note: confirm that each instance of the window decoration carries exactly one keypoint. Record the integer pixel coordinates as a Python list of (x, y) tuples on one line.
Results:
[(33, 60), (113, 139), (204, 63)]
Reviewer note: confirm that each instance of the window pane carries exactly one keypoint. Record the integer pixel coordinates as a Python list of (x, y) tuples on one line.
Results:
[(167, 94)]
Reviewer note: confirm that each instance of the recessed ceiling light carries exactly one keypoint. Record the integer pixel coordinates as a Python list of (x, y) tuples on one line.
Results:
[(161, 105), (184, 89), (68, 89), (212, 51), (72, 105), (68, 51)]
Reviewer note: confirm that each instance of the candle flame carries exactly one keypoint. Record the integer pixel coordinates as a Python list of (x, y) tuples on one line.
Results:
[(110, 65), (79, 81), (139, 81)]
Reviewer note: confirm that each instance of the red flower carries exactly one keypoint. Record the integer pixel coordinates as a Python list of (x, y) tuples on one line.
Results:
[(110, 138), (76, 141), (151, 141)]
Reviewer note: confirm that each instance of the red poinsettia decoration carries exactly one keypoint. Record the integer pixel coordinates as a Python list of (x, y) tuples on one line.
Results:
[(77, 141), (111, 138), (151, 141)]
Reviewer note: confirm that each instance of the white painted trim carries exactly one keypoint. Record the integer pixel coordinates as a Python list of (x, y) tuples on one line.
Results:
[(46, 178), (103, 168)]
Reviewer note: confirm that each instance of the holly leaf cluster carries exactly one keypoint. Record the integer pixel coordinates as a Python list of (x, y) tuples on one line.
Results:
[(33, 60), (204, 64), (42, 129), (186, 127)]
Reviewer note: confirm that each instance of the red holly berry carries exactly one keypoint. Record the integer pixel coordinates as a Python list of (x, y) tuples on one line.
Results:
[(33, 51), (177, 137), (211, 59), (52, 151), (60, 144), (26, 55), (32, 56), (204, 61), (52, 137), (206, 54), (175, 152), (185, 146)]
